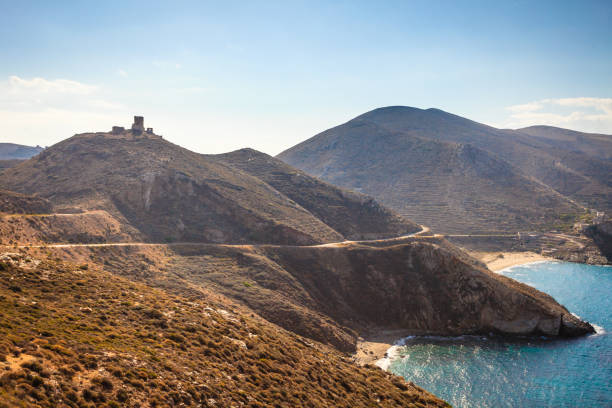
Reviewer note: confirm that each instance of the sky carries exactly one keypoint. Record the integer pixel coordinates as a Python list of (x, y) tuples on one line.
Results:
[(219, 76)]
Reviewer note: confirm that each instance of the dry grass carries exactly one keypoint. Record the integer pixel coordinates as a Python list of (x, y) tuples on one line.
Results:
[(81, 337)]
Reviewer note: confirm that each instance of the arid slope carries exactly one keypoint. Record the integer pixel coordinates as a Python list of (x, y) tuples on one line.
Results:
[(76, 336), (355, 216), (457, 175), (171, 194)]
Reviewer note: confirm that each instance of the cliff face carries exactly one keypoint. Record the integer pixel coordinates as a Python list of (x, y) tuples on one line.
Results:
[(72, 336), (423, 287), (334, 293), (602, 237)]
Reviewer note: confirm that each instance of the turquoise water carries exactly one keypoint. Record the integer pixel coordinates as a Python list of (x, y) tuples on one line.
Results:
[(479, 372)]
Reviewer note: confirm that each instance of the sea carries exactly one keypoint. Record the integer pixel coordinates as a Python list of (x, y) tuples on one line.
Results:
[(473, 371)]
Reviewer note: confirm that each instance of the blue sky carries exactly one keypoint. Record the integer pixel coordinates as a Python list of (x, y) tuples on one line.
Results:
[(218, 76)]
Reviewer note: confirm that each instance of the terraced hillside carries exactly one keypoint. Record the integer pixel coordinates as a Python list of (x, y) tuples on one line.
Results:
[(592, 144), (170, 194), (448, 186), (457, 175)]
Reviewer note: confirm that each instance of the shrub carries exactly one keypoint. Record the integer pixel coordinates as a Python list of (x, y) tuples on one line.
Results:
[(122, 396)]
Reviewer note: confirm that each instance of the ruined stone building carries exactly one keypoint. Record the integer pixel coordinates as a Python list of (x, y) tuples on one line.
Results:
[(137, 129)]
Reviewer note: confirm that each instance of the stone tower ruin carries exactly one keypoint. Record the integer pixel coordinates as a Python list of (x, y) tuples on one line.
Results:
[(138, 125)]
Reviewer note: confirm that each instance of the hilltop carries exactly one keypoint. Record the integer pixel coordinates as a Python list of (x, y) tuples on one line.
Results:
[(12, 151), (166, 193), (460, 176)]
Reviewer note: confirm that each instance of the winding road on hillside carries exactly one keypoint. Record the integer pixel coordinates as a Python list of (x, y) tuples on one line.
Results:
[(424, 230)]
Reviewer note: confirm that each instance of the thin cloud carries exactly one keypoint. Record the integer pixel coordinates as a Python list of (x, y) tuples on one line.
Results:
[(587, 114), (46, 110), (16, 84), (38, 94)]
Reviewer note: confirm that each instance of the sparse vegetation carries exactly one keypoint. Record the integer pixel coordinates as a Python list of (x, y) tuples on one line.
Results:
[(119, 356)]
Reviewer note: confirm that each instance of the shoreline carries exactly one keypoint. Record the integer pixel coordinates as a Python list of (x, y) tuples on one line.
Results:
[(498, 260), (375, 348)]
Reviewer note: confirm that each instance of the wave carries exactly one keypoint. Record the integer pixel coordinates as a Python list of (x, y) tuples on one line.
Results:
[(510, 268), (393, 352), (599, 330)]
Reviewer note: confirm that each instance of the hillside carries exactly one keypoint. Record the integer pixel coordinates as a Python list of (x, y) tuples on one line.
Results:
[(169, 194), (333, 294), (448, 186), (457, 175), (15, 203), (12, 151), (355, 216), (255, 300), (75, 336), (593, 144), (5, 164)]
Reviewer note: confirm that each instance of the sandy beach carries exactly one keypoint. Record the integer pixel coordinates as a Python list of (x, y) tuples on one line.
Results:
[(496, 261), (372, 348)]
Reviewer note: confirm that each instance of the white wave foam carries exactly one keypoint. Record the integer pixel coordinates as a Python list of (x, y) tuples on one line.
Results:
[(598, 329), (392, 353), (510, 268)]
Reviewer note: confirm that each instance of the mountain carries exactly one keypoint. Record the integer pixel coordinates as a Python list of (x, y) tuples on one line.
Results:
[(457, 175), (12, 151), (355, 216), (593, 144), (167, 194), (253, 301), (115, 191)]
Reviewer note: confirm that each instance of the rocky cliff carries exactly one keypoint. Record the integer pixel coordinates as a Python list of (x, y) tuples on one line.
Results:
[(334, 293), (602, 237), (73, 335)]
